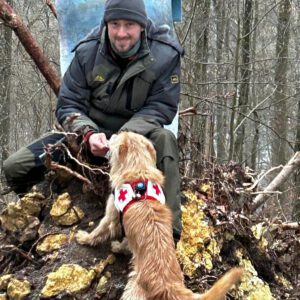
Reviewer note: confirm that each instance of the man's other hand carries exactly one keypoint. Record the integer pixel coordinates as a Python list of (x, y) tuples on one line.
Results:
[(98, 144)]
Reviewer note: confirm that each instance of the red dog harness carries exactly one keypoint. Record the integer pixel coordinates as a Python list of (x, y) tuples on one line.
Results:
[(131, 192)]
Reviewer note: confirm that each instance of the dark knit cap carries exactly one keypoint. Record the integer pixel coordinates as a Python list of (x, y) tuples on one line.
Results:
[(133, 10)]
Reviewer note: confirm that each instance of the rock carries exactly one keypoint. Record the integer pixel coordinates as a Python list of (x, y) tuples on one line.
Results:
[(63, 213), (102, 286), (70, 277), (61, 205), (32, 203), (51, 243), (18, 289), (4, 280), (103, 263), (23, 226), (196, 233), (252, 287)]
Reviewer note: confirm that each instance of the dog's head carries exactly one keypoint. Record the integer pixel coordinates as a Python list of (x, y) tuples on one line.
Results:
[(129, 147), (132, 156)]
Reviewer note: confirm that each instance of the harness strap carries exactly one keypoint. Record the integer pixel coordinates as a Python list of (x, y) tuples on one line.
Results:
[(129, 193)]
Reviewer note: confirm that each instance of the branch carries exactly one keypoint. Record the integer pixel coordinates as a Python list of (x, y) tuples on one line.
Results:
[(52, 7), (283, 175), (55, 166), (191, 111), (290, 226), (12, 20)]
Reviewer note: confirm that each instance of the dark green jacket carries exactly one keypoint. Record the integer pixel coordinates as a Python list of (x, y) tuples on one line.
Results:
[(141, 97)]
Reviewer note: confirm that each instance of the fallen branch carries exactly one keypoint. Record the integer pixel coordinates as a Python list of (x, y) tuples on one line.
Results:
[(285, 226), (283, 175), (290, 226), (12, 20)]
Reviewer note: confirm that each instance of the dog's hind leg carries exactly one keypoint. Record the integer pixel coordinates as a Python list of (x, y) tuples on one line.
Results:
[(108, 227), (133, 291)]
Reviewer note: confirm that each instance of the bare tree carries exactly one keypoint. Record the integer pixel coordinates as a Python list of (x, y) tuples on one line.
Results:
[(5, 78), (280, 108), (245, 70)]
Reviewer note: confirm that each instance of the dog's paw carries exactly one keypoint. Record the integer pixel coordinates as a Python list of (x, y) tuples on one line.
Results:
[(120, 247), (115, 246), (83, 238)]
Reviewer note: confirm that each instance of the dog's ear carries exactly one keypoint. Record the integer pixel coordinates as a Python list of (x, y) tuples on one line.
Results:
[(151, 150), (123, 148)]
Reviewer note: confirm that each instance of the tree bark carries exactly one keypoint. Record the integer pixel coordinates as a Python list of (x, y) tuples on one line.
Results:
[(5, 79), (279, 121), (236, 71), (255, 140), (219, 6), (281, 178), (296, 204), (12, 20), (245, 79)]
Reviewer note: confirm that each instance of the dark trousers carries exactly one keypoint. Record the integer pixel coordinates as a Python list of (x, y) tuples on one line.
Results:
[(24, 168)]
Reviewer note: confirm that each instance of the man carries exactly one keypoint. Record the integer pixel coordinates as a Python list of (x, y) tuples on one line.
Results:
[(124, 77)]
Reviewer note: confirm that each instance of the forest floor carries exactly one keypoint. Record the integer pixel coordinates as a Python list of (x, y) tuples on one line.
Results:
[(40, 258)]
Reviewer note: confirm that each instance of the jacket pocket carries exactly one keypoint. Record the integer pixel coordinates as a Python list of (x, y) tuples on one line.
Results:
[(137, 93)]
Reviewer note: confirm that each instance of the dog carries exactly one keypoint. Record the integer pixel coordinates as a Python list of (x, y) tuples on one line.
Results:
[(147, 222)]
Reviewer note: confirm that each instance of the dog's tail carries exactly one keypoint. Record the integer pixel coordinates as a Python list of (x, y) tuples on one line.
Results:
[(222, 286)]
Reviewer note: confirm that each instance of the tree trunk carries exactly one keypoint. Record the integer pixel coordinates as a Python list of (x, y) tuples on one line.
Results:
[(236, 71), (220, 113), (279, 121), (245, 79), (255, 140), (12, 20), (5, 78), (296, 206)]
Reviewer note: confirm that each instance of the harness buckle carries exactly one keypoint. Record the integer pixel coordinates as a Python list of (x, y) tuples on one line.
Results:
[(140, 189)]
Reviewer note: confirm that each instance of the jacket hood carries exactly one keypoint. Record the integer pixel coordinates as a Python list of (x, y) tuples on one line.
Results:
[(160, 33)]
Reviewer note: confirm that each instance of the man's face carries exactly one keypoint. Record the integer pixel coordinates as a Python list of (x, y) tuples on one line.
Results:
[(124, 34)]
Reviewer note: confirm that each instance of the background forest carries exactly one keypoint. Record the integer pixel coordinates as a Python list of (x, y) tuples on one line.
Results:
[(240, 86)]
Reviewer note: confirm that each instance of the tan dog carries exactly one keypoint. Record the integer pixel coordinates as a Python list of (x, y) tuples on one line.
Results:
[(148, 228)]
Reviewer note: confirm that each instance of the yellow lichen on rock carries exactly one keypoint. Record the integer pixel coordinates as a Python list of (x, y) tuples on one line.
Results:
[(4, 280), (258, 231), (61, 205), (102, 286), (99, 267), (71, 278), (18, 289), (14, 220), (251, 286), (32, 203), (197, 245), (51, 243), (18, 216), (63, 213)]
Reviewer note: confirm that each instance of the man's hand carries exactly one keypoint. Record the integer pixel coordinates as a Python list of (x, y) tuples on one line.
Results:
[(98, 144)]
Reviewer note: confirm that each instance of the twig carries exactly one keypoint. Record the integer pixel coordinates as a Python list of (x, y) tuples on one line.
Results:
[(266, 193), (11, 248), (52, 7), (261, 177), (55, 166), (83, 165), (286, 226)]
